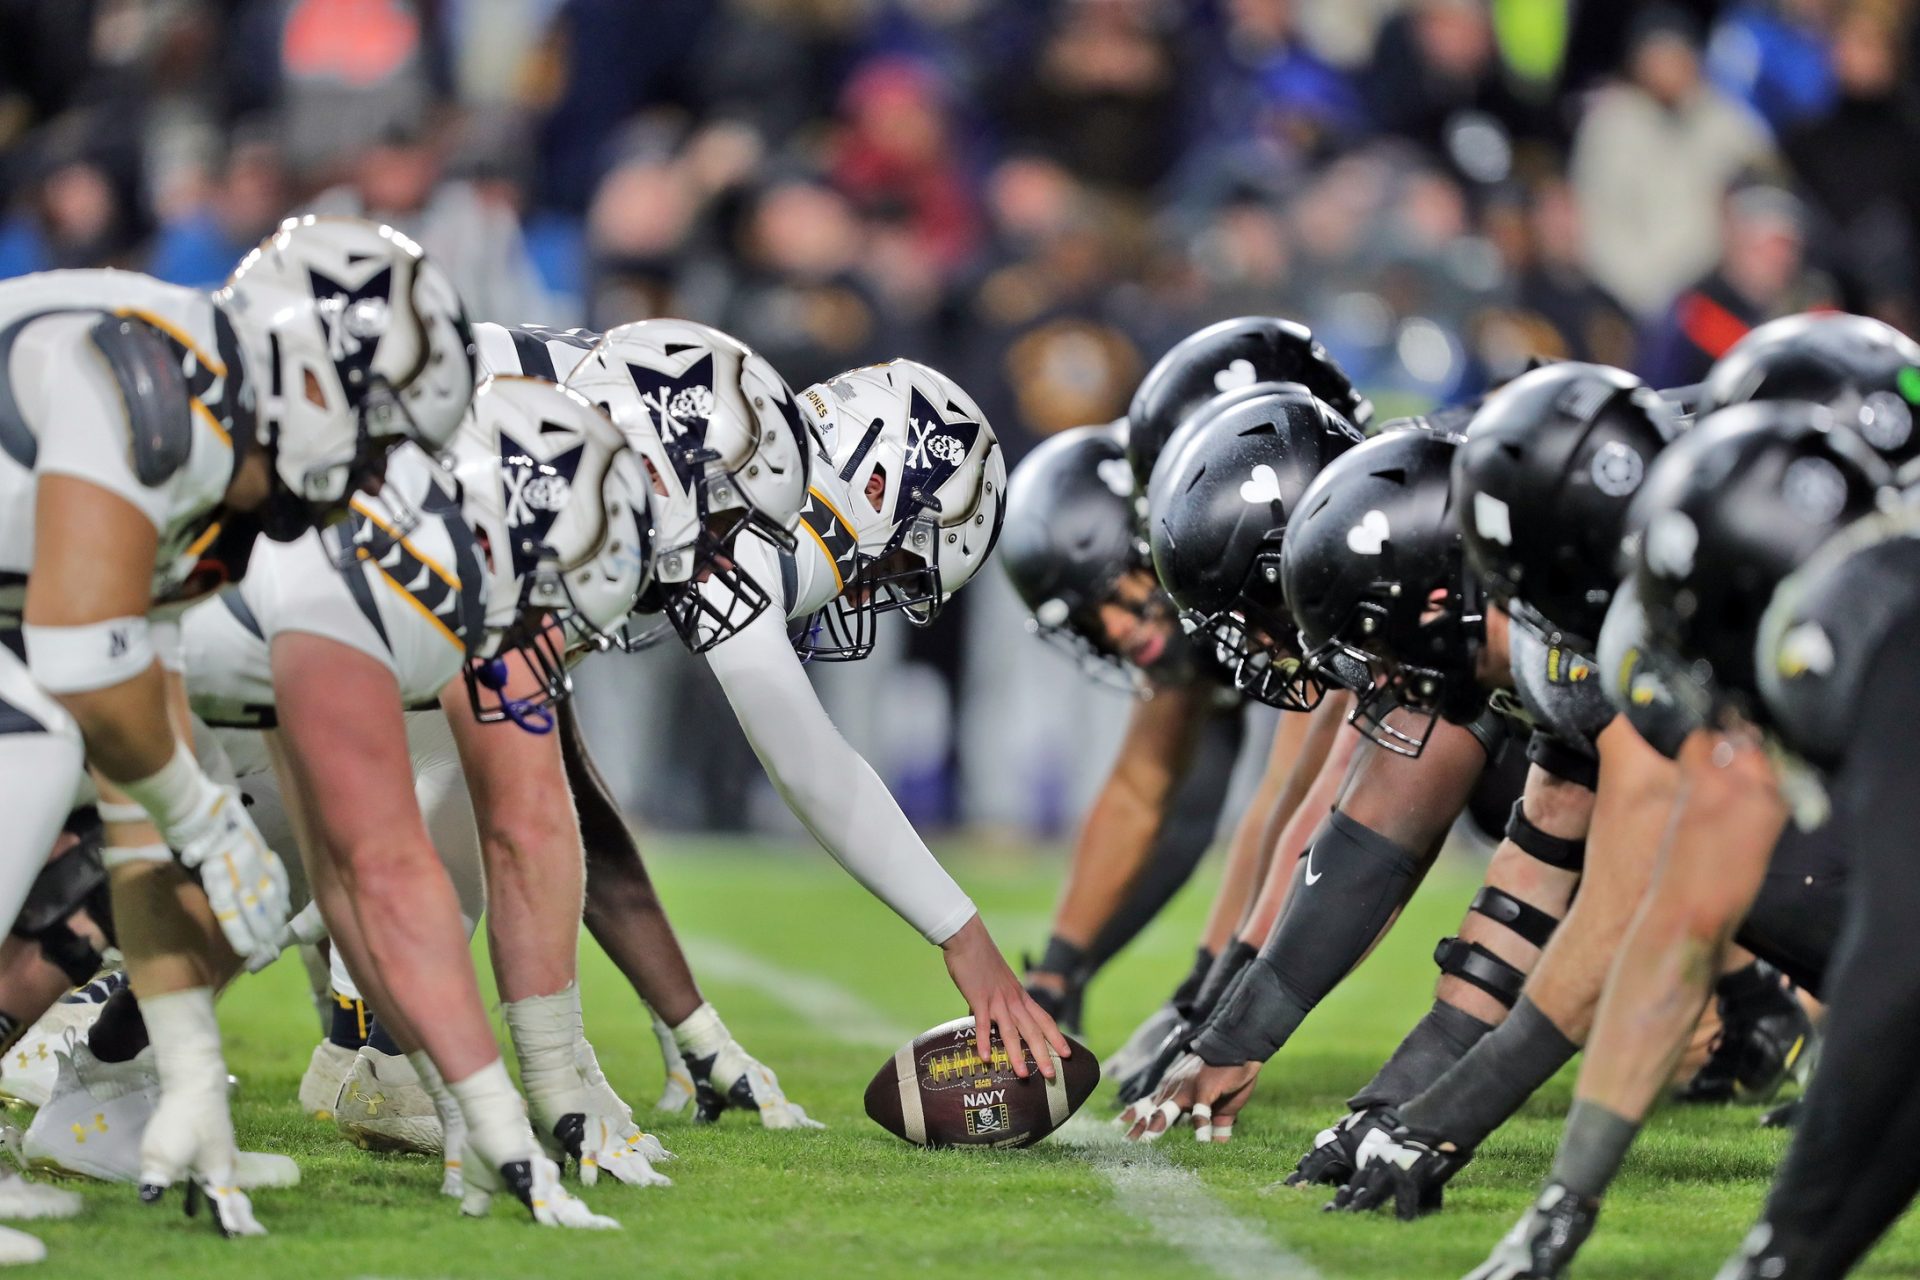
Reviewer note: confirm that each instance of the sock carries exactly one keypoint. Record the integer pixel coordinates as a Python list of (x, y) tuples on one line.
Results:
[(1480, 1091), (349, 1026), (119, 1033), (380, 1040), (1592, 1148), (495, 1115), (1436, 1042)]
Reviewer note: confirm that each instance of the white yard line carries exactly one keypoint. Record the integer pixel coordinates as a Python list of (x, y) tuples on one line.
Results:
[(1171, 1201)]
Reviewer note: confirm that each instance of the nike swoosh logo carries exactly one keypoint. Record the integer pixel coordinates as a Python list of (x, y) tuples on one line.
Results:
[(1311, 877)]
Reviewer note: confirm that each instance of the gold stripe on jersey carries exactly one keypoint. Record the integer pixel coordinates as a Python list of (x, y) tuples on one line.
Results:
[(416, 577), (834, 534)]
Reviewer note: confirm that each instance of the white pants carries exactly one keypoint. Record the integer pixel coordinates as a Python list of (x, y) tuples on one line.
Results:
[(42, 769)]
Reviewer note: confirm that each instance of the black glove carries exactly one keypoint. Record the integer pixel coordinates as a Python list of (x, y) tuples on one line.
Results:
[(1408, 1170), (1765, 1255), (1143, 1082), (1545, 1239), (1332, 1160)]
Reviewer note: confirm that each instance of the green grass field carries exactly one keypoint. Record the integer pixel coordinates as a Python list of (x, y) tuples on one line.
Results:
[(853, 1201)]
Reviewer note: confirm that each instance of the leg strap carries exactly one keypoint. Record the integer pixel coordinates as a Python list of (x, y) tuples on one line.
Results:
[(1555, 851), (1471, 962), (75, 881), (1566, 763), (1525, 919)]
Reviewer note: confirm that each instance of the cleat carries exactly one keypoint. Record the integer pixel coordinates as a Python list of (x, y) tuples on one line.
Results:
[(1765, 1041), (26, 1072), (326, 1072), (18, 1248), (382, 1106)]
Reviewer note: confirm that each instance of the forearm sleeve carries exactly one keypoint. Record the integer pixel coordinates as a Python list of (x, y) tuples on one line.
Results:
[(832, 790)]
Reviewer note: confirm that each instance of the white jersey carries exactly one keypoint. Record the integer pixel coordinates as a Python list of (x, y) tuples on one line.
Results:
[(127, 383), (532, 351), (416, 604)]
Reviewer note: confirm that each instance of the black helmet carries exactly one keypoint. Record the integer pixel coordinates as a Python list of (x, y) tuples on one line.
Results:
[(1226, 357), (1377, 580), (1542, 481), (1729, 510), (1866, 371), (1217, 510), (1071, 535)]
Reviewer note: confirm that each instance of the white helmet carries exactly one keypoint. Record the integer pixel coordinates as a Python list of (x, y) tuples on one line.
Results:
[(911, 464), (562, 509), (726, 449), (354, 341)]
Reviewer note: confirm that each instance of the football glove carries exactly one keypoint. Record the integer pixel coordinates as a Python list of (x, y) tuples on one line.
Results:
[(1397, 1166), (726, 1075), (535, 1183), (1142, 1083), (1335, 1153), (677, 1090), (1764, 1255), (190, 1137), (245, 881), (1545, 1239)]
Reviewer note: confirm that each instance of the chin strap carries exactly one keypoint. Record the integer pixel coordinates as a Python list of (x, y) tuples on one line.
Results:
[(535, 717)]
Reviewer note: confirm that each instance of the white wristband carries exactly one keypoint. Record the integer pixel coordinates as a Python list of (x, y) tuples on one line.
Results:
[(121, 855), (94, 655), (175, 793)]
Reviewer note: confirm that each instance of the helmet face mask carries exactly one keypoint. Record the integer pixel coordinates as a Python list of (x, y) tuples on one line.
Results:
[(725, 453)]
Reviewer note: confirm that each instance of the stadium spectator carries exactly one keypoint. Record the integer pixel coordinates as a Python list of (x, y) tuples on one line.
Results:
[(1775, 56), (1651, 161)]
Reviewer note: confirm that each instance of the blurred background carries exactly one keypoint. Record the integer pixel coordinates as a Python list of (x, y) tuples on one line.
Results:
[(1036, 196)]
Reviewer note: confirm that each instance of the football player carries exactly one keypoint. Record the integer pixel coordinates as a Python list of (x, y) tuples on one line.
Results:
[(151, 431)]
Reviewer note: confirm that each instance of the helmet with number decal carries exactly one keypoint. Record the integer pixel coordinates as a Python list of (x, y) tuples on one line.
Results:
[(912, 467), (725, 451), (1865, 370), (355, 341), (1542, 481), (1223, 358), (562, 508)]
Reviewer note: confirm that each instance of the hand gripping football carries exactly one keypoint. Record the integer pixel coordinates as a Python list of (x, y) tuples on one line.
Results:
[(935, 1092)]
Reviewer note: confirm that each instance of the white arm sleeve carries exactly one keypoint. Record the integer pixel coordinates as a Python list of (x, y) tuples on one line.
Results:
[(829, 787)]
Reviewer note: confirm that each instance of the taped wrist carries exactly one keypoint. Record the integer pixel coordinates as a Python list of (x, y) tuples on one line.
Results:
[(1437, 1041), (1190, 985), (1226, 967), (1479, 1092), (1555, 851), (701, 1034), (543, 1029), (495, 1115), (177, 793), (1345, 889), (186, 1043), (93, 655)]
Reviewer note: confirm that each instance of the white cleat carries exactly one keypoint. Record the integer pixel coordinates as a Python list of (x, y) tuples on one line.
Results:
[(20, 1199), (93, 1123), (326, 1072), (26, 1073), (18, 1248), (383, 1106)]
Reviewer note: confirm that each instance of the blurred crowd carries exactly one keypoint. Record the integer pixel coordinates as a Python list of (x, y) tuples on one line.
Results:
[(1038, 196)]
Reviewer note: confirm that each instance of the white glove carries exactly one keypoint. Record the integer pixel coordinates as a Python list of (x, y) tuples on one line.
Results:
[(190, 1135), (535, 1183), (604, 1100), (677, 1091), (726, 1075), (244, 879), (304, 930)]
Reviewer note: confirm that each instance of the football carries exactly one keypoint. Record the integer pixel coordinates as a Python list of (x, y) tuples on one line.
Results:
[(935, 1092)]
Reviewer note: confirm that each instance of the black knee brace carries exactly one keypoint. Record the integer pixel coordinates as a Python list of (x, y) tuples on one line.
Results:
[(1346, 888), (1470, 962), (1555, 851), (74, 881), (1566, 763)]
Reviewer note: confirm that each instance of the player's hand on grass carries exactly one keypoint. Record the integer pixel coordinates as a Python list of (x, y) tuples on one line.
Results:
[(1401, 1168), (1172, 1047), (190, 1137), (724, 1075), (1212, 1096), (1545, 1239), (677, 1090), (535, 1183), (1335, 1152), (999, 1003)]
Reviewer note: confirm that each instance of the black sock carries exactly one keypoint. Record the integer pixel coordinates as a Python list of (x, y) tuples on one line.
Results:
[(350, 1020), (119, 1033), (1592, 1148), (379, 1041), (1479, 1092)]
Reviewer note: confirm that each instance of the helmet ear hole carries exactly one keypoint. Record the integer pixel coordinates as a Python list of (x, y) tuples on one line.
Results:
[(311, 386), (877, 487)]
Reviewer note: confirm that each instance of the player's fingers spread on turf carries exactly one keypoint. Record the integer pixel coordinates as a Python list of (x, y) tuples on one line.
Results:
[(1223, 1128), (1202, 1122)]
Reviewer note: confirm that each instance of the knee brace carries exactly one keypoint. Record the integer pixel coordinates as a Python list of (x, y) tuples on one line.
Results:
[(1346, 888), (75, 881), (1555, 851), (1581, 768), (1472, 963)]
